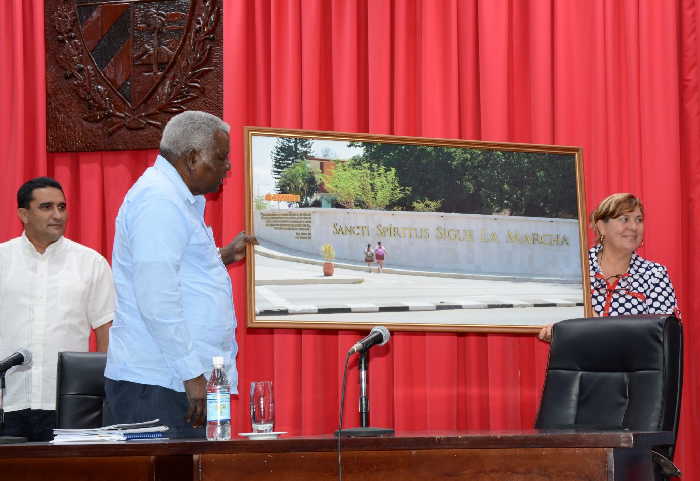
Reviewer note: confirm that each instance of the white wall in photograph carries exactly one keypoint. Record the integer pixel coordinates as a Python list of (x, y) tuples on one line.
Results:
[(524, 247)]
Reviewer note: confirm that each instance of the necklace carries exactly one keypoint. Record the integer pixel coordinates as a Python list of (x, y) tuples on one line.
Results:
[(602, 260), (614, 276)]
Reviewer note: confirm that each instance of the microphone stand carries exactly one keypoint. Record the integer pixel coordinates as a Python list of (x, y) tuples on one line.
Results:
[(364, 398), (6, 439), (364, 430)]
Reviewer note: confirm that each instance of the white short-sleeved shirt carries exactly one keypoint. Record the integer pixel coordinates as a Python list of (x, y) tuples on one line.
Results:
[(48, 303)]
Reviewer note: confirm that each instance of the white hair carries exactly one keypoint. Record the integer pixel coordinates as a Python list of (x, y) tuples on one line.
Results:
[(190, 130)]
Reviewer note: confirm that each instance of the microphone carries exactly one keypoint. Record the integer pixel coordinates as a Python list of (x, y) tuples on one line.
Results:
[(21, 357), (378, 335)]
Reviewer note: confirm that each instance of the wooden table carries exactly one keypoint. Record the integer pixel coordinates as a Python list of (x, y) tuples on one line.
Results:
[(493, 456)]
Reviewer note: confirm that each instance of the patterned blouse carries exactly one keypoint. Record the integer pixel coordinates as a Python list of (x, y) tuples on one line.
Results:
[(645, 289)]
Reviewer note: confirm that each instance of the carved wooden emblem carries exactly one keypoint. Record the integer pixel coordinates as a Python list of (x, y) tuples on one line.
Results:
[(117, 70)]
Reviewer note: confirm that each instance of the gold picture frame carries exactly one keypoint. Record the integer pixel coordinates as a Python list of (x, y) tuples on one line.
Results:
[(475, 236)]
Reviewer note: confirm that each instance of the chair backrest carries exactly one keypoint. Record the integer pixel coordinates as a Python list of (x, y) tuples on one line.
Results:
[(80, 389), (614, 373)]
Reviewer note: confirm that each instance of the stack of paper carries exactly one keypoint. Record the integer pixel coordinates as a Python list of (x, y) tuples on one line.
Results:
[(109, 434)]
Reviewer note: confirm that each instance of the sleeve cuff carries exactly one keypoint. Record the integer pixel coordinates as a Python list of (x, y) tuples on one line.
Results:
[(189, 367), (102, 320)]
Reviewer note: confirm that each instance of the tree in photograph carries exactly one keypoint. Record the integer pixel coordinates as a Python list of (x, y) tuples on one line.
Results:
[(364, 185), (427, 205), (531, 184), (287, 151), (477, 181), (345, 183), (298, 179), (430, 170), (384, 187)]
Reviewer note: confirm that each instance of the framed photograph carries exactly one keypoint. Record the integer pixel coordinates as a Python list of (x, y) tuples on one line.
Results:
[(359, 230)]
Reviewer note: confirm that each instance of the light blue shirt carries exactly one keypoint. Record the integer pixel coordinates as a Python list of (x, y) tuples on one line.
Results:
[(174, 303)]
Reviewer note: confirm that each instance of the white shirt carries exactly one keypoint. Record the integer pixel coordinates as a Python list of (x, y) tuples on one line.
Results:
[(48, 303)]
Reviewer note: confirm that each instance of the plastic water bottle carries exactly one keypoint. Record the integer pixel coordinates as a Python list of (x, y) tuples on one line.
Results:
[(218, 403)]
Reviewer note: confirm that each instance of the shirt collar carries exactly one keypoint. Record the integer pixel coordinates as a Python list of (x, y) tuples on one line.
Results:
[(168, 170), (595, 267), (52, 248), (635, 264)]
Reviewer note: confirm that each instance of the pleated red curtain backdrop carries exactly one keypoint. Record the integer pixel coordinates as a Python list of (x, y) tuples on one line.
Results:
[(22, 119), (618, 77)]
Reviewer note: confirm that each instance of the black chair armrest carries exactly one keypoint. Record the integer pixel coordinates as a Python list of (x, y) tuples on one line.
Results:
[(664, 465)]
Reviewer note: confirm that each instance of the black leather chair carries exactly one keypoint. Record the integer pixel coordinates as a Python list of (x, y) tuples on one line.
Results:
[(80, 389), (616, 373)]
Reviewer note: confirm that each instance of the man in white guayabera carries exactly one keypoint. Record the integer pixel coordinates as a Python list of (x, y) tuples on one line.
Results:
[(53, 291)]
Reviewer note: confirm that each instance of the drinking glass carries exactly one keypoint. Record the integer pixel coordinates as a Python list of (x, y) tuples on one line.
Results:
[(262, 406)]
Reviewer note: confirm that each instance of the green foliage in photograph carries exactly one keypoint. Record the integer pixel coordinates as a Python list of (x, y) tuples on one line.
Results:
[(427, 205), (261, 203), (298, 179), (361, 185), (328, 252), (288, 151), (478, 181)]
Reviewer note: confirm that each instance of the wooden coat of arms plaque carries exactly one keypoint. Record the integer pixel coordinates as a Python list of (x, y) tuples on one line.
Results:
[(117, 70)]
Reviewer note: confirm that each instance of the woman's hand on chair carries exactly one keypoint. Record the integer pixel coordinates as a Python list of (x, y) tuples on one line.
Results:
[(545, 334)]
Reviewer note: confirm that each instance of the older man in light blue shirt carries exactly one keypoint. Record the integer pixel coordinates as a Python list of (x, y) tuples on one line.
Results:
[(174, 301)]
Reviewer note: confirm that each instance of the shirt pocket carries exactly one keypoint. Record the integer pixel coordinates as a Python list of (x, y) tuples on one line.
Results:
[(70, 300), (203, 250), (201, 238)]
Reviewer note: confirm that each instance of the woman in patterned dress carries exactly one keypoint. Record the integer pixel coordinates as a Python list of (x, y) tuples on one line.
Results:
[(622, 282)]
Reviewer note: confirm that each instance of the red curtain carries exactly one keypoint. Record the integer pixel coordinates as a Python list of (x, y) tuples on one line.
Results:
[(618, 77)]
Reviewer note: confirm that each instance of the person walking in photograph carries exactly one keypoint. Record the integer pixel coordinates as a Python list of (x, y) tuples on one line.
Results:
[(369, 257), (379, 253)]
